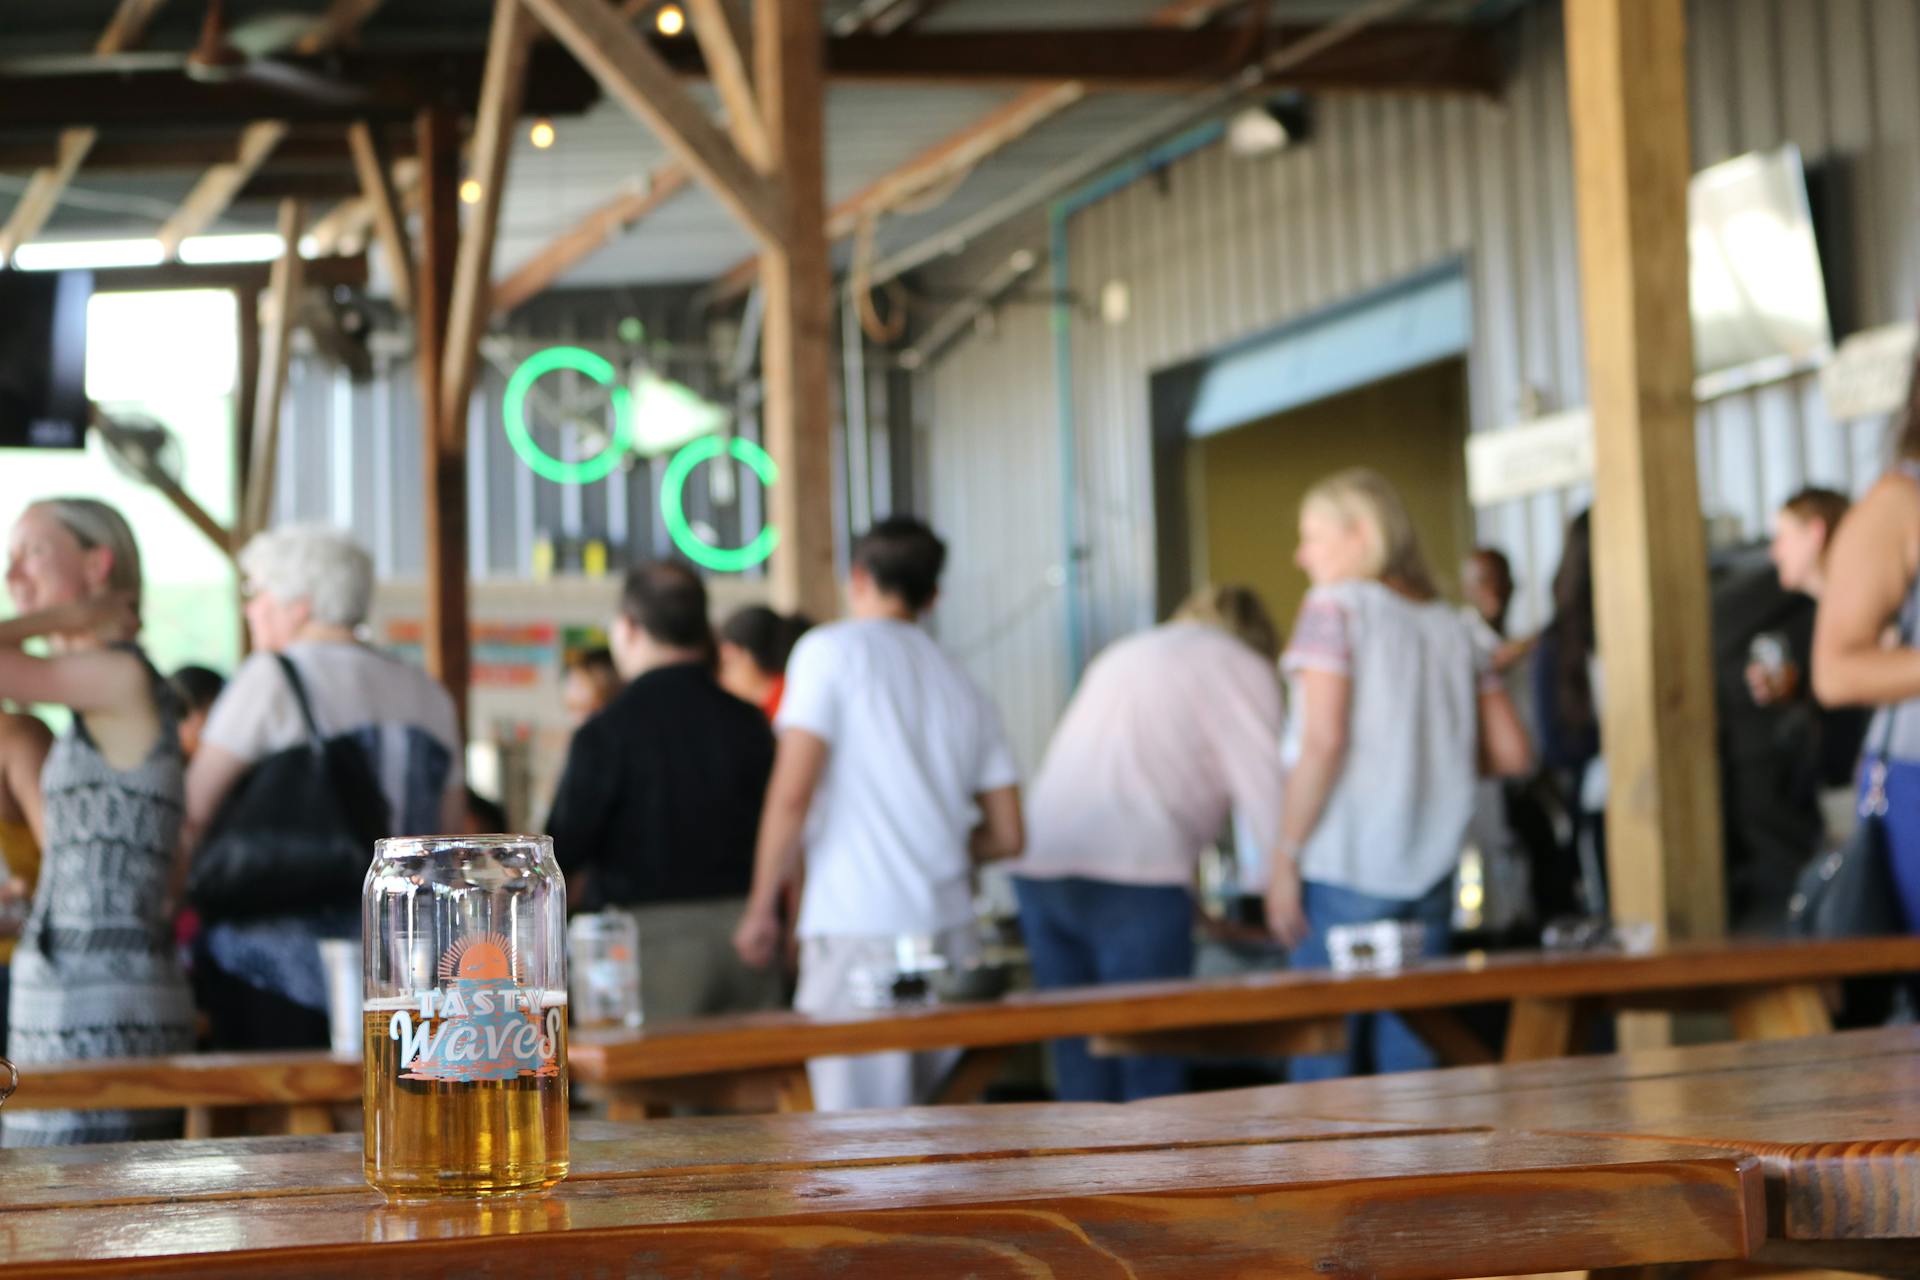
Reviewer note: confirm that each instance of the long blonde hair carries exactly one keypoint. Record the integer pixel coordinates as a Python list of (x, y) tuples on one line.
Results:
[(96, 524), (1363, 498)]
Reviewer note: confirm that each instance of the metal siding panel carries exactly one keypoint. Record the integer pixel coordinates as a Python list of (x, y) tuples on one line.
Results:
[(1896, 47), (1235, 245)]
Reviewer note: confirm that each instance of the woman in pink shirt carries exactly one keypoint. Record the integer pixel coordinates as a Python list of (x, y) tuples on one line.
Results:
[(1171, 730)]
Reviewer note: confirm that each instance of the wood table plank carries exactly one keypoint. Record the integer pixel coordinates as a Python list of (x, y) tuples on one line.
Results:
[(1835, 1119), (1412, 1205), (65, 1177)]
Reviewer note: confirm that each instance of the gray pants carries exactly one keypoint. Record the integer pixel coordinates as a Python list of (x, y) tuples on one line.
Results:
[(688, 967), (872, 1079)]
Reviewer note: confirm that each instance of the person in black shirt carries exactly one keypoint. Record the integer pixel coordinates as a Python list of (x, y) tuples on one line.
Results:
[(659, 804)]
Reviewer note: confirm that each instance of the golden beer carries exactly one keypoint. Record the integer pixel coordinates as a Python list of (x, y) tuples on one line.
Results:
[(459, 1137), (465, 1005)]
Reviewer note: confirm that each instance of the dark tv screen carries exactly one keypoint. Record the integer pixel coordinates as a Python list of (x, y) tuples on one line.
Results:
[(43, 359)]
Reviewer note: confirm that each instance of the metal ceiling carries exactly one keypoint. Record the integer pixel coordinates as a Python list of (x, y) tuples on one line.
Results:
[(871, 130)]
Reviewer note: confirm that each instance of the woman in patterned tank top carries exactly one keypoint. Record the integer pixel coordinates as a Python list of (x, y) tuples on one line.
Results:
[(95, 975), (1866, 649)]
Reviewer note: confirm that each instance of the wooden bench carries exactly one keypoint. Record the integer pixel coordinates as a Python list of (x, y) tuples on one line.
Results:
[(757, 1062), (1770, 990), (286, 1092), (1000, 1191), (1834, 1120)]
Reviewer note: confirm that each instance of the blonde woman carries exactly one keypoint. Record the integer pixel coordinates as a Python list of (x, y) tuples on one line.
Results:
[(1395, 713), (1169, 730), (95, 975)]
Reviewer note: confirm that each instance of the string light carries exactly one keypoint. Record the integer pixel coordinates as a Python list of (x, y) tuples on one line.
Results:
[(541, 135), (671, 20), (470, 191)]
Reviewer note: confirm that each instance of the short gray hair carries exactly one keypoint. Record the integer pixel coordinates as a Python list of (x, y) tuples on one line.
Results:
[(315, 563)]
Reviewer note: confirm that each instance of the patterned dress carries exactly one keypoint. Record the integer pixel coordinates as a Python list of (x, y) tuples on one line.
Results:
[(95, 974)]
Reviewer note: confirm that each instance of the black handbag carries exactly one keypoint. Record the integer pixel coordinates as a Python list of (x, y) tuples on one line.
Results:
[(1850, 892), (296, 834)]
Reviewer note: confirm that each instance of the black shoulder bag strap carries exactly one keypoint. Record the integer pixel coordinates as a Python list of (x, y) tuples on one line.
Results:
[(300, 696)]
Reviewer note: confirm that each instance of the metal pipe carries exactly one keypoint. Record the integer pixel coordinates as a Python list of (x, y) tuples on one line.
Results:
[(853, 365)]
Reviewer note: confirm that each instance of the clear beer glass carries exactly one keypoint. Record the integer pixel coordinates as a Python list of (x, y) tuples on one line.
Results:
[(466, 1017)]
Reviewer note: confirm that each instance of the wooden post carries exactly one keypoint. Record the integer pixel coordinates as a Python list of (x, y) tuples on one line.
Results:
[(375, 168), (1627, 84), (283, 297), (493, 126), (796, 355), (444, 440)]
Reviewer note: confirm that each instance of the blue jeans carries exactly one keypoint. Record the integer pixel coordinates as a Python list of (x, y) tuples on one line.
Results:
[(1082, 932), (1903, 833), (1376, 1042)]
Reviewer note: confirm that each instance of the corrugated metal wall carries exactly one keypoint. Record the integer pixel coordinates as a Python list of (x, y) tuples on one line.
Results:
[(1219, 247), (351, 453)]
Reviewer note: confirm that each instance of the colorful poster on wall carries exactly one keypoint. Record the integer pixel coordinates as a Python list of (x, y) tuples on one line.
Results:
[(506, 655)]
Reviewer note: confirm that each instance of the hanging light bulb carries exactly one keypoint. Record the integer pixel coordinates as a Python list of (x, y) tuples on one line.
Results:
[(541, 134), (470, 191), (671, 20)]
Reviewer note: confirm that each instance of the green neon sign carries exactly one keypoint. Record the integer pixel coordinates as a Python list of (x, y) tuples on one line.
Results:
[(673, 506), (543, 464)]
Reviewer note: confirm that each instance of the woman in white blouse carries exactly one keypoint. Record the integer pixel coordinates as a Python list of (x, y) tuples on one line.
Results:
[(1395, 713)]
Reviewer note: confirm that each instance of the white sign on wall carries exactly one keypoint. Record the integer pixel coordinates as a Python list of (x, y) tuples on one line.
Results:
[(1535, 457), (1868, 375)]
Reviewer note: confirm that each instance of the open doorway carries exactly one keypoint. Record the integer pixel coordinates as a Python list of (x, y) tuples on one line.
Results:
[(1243, 485)]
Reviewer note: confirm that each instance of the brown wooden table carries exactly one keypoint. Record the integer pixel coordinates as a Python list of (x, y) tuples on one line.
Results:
[(1771, 990), (1001, 1191), (1835, 1121)]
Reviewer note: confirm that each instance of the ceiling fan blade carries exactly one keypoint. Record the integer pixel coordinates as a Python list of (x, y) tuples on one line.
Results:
[(88, 64), (300, 82), (271, 33)]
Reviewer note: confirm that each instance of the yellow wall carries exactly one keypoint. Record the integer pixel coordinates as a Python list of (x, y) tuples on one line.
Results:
[(1246, 484)]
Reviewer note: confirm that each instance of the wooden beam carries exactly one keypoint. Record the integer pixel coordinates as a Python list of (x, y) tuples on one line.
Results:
[(311, 187), (724, 47), (1196, 13), (349, 270), (494, 123), (246, 397), (125, 30), (1628, 98), (387, 85), (884, 17), (796, 351), (945, 160), (345, 227), (1399, 57), (219, 185), (447, 626), (340, 27), (43, 192), (631, 72), (370, 161), (283, 297), (222, 183), (588, 236), (148, 152)]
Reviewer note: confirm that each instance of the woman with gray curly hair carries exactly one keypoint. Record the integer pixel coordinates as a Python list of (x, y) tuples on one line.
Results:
[(308, 591)]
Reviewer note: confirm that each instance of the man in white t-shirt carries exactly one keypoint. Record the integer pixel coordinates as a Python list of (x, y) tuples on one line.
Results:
[(893, 767)]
